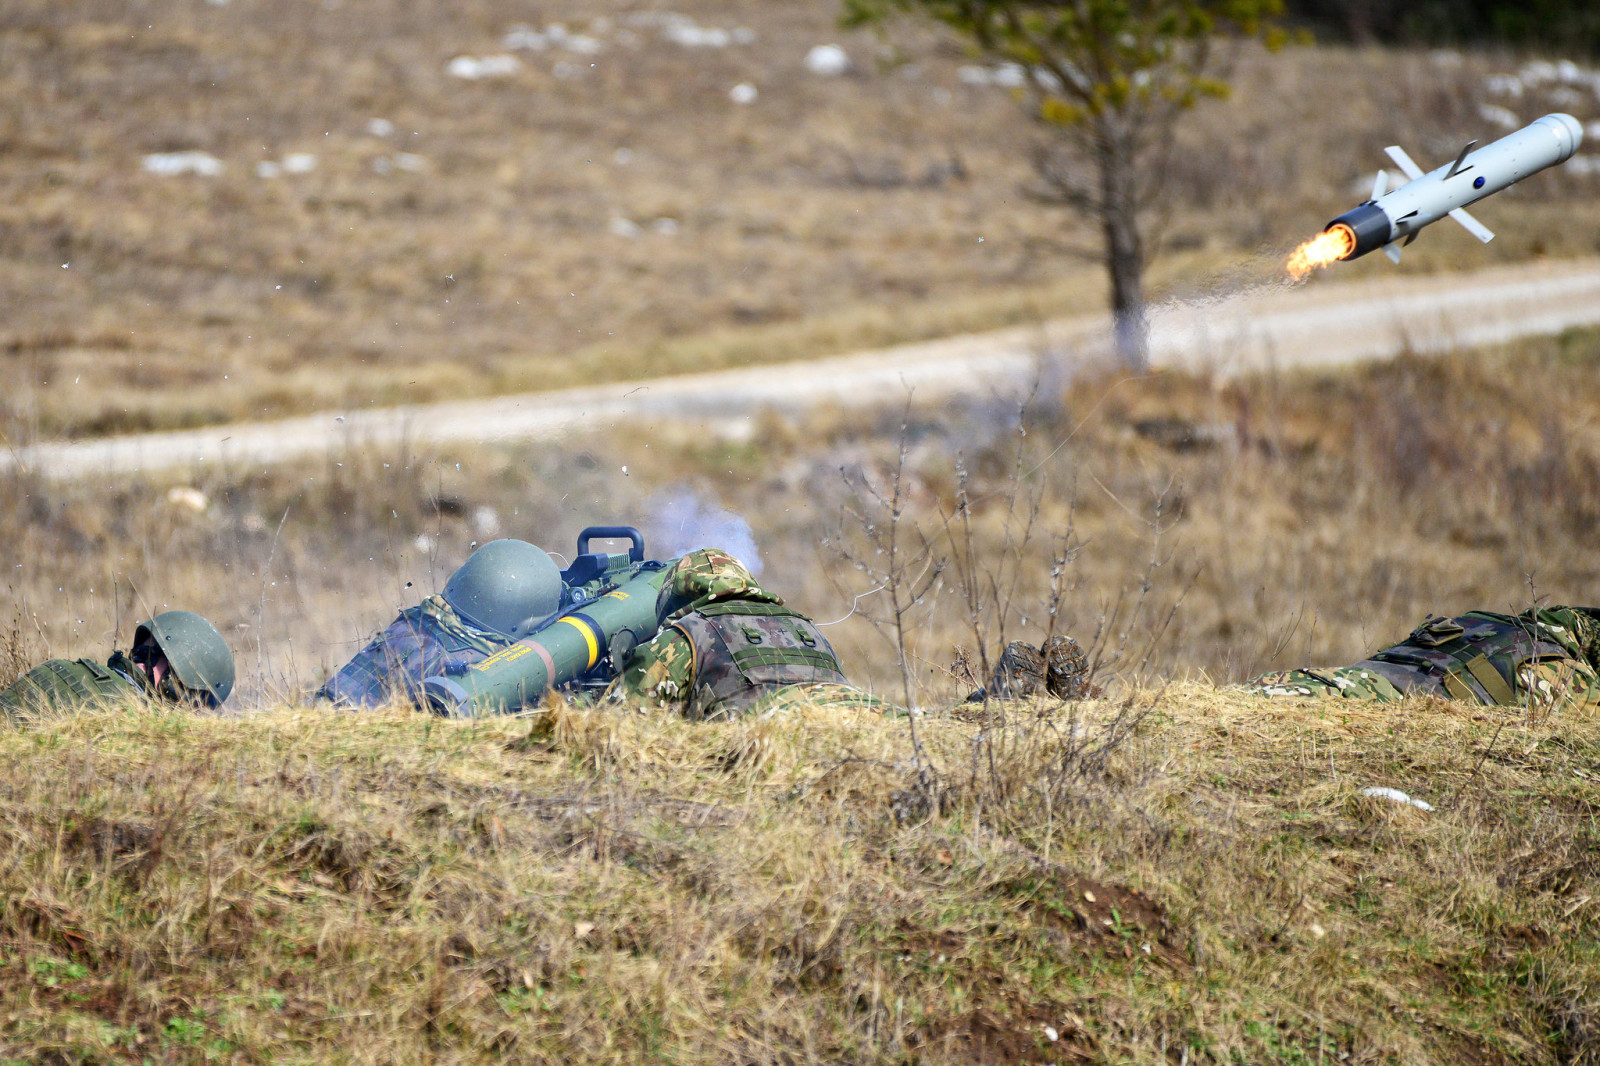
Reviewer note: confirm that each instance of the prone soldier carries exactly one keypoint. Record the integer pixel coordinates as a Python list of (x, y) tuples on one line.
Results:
[(505, 590), (177, 657), (1544, 659), (729, 647)]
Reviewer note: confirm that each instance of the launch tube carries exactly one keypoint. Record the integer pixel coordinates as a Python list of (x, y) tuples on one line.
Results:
[(613, 623)]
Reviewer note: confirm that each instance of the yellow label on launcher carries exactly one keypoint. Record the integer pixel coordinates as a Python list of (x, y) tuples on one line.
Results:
[(504, 655)]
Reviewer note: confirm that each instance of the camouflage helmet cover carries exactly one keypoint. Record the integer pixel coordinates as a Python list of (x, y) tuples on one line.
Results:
[(199, 657), (708, 575), (506, 586)]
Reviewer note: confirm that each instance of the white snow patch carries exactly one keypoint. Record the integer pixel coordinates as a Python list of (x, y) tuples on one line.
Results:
[(743, 93), (1504, 85), (667, 227), (622, 156), (471, 68), (268, 169), (623, 227), (299, 163), (409, 161), (1496, 115), (380, 127), (1583, 165), (1397, 796), (169, 164), (828, 60)]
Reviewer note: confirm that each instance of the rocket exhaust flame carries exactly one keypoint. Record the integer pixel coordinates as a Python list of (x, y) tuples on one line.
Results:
[(1329, 246)]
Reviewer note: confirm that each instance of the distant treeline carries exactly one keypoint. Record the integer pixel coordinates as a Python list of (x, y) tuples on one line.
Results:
[(1570, 26)]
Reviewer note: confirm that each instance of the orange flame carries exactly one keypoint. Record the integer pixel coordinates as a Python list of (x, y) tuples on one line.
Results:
[(1329, 246)]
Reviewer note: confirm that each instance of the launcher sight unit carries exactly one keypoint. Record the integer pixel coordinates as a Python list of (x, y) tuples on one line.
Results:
[(609, 607)]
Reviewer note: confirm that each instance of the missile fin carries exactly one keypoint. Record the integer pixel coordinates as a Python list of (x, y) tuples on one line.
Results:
[(1455, 168), (1392, 250), (1380, 184), (1404, 162), (1472, 225)]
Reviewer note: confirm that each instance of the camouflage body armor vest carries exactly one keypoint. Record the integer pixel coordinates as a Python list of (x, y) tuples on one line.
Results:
[(1473, 657), (745, 650), (428, 640), (66, 684)]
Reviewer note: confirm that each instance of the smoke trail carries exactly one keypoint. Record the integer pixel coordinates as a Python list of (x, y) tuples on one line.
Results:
[(679, 521)]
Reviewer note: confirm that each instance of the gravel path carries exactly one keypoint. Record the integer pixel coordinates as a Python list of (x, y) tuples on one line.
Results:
[(1272, 326)]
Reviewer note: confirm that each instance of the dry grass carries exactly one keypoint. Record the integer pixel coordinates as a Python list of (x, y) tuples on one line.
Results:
[(830, 214), (602, 887)]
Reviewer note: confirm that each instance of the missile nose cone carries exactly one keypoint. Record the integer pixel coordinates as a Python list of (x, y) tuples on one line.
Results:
[(1568, 130)]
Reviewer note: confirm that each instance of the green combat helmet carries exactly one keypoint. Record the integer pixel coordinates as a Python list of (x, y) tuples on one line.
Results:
[(199, 657), (509, 587)]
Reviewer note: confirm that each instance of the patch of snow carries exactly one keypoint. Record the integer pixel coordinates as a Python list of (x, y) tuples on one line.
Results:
[(409, 161), (566, 71), (584, 46), (268, 169), (623, 227), (380, 127), (1592, 131), (692, 36), (299, 163), (827, 60), (1499, 116), (667, 227), (1565, 97), (170, 164), (471, 68), (1583, 165), (1397, 796), (1445, 57), (743, 93), (1537, 72), (622, 156), (524, 39), (1504, 85)]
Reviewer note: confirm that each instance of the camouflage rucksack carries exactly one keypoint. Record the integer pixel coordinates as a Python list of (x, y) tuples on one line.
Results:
[(1473, 657), (745, 650), (428, 640)]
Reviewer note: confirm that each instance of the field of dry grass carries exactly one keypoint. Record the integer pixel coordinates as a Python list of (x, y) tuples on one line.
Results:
[(609, 213), (1187, 876)]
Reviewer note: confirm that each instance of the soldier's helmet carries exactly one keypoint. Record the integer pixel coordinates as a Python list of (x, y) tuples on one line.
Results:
[(198, 656), (508, 587), (709, 574)]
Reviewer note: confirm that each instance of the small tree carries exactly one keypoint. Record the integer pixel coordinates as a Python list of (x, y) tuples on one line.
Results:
[(1109, 79)]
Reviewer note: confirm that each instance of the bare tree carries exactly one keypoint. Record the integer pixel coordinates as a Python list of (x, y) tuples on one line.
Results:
[(1109, 80)]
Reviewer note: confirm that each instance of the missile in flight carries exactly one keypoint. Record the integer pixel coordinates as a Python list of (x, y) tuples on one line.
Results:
[(1391, 220)]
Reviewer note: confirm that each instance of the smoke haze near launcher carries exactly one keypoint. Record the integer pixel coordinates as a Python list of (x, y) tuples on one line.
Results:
[(680, 521)]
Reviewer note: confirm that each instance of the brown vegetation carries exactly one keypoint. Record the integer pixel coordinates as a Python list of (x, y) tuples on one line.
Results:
[(1187, 877), (830, 213)]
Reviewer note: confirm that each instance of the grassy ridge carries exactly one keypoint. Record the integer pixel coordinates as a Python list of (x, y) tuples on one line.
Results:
[(1187, 876)]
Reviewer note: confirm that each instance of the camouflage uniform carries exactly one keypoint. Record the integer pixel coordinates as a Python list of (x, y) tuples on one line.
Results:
[(61, 685), (1543, 658), (427, 640), (729, 647)]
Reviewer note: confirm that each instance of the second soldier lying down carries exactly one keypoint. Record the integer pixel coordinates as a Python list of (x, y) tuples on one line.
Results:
[(505, 590), (1543, 658), (728, 647)]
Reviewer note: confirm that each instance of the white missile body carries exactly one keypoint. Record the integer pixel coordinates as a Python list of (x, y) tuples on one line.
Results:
[(1391, 219)]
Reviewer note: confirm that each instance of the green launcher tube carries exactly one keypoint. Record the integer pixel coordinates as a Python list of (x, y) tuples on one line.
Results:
[(512, 678)]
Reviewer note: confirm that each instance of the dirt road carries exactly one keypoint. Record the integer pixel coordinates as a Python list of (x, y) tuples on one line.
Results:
[(1321, 324)]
